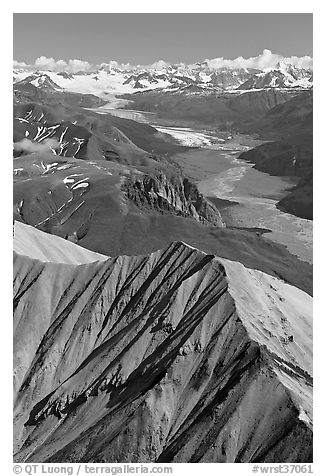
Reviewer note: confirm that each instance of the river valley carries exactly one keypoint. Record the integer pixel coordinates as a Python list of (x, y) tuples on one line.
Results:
[(244, 196)]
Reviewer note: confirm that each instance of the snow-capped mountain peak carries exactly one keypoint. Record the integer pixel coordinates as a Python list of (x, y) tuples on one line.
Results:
[(200, 78)]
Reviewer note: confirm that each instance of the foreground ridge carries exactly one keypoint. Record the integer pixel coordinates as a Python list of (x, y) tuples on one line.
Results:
[(175, 356)]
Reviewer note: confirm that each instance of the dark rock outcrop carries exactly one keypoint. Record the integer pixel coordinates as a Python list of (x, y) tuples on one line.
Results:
[(176, 195)]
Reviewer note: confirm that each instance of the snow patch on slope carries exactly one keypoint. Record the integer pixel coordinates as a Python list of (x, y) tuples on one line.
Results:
[(279, 317), (36, 244)]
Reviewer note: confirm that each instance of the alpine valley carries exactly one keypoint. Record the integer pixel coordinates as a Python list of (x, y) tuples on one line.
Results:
[(163, 263)]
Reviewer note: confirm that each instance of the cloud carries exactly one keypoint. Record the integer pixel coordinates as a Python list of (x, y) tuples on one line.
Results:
[(265, 61), (159, 65), (114, 64), (44, 62), (73, 65), (76, 65), (19, 64), (26, 145)]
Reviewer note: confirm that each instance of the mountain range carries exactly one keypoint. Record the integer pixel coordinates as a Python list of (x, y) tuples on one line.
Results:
[(145, 329), (193, 79)]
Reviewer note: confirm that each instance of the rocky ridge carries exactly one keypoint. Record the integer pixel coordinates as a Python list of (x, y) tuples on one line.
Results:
[(175, 356), (176, 195)]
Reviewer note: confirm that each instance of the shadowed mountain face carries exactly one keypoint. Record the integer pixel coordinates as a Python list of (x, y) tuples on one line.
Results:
[(174, 356), (299, 201), (290, 118), (291, 156), (215, 109)]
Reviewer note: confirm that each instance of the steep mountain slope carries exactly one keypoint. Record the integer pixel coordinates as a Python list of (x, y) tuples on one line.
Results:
[(292, 117), (283, 76), (256, 103), (28, 241), (291, 156), (210, 109), (176, 356), (299, 201)]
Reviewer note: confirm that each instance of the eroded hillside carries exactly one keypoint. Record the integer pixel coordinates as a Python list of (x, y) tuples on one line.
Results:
[(172, 356)]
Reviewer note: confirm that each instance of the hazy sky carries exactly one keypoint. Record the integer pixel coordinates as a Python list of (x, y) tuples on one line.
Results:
[(142, 38)]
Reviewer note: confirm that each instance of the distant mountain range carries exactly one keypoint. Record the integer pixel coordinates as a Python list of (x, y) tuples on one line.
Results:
[(197, 79)]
